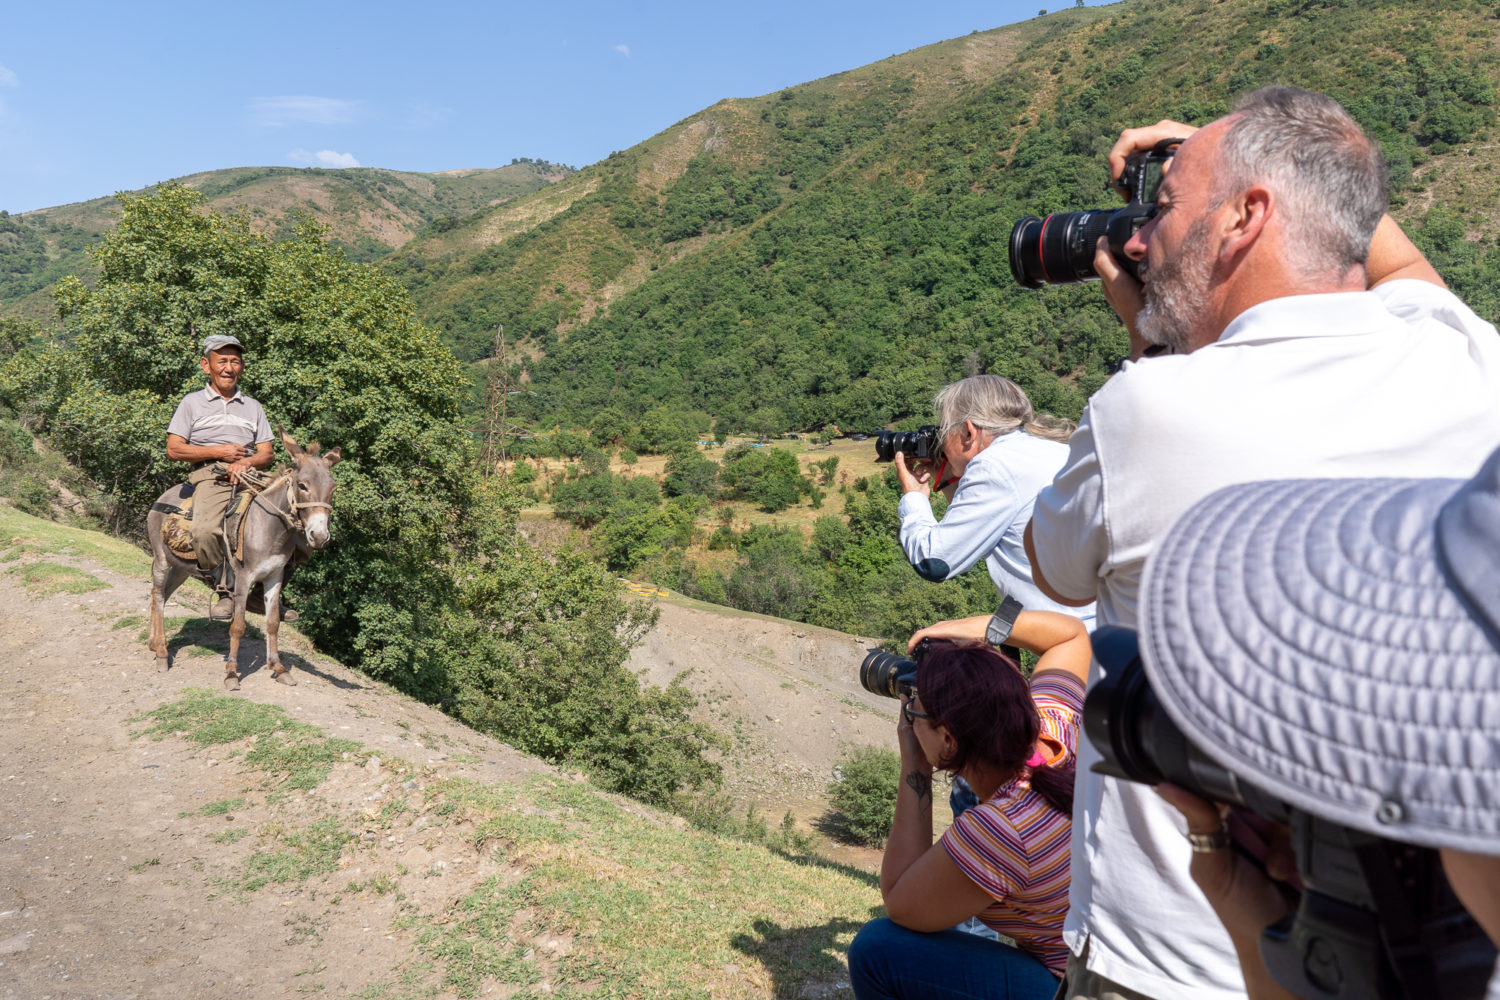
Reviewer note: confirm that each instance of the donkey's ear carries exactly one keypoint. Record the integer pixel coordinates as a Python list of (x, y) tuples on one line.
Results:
[(333, 457), (288, 442)]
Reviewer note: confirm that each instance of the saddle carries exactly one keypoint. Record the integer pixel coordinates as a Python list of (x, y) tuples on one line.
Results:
[(177, 526)]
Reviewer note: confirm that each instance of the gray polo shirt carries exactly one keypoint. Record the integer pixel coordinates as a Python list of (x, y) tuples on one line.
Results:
[(206, 418)]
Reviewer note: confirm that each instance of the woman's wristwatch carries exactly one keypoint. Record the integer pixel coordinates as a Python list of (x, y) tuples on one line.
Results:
[(1002, 621)]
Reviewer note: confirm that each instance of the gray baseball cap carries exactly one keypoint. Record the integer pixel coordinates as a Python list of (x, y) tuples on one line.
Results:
[(1337, 642), (219, 341)]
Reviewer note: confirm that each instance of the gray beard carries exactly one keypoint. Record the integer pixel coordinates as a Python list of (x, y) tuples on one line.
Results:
[(1176, 293)]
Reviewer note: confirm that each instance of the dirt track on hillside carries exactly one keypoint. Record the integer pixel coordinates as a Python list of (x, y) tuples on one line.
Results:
[(112, 877)]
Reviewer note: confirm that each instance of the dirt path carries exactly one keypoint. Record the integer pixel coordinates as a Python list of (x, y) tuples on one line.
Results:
[(116, 851)]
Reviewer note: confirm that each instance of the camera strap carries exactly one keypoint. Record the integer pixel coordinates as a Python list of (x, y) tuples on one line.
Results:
[(937, 477)]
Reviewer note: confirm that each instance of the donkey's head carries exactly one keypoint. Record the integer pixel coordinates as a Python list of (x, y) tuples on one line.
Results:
[(312, 487)]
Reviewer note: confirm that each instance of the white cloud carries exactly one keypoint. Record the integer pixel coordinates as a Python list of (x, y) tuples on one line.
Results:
[(274, 112), (324, 158), (8, 77), (623, 49)]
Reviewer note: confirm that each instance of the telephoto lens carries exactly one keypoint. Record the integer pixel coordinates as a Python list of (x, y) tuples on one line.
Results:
[(891, 675), (921, 443), (1138, 741), (1059, 249)]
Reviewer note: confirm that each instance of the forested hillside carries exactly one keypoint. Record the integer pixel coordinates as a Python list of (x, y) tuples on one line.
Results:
[(833, 252), (836, 251), (368, 211)]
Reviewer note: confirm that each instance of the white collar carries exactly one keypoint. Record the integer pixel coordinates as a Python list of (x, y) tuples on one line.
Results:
[(1325, 314), (213, 394)]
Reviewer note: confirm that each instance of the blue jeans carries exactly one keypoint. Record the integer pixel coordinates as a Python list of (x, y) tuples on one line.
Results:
[(961, 797), (889, 962)]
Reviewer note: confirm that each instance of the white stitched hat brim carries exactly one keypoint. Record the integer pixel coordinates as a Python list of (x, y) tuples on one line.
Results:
[(1303, 635)]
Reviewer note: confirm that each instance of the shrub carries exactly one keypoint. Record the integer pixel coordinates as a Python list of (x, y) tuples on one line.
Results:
[(864, 792)]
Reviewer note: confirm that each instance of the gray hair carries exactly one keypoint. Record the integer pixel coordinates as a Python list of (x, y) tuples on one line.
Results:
[(996, 405), (1329, 176)]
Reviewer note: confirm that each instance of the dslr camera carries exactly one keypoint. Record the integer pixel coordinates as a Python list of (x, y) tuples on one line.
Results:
[(1376, 919), (1059, 249), (921, 443), (890, 675)]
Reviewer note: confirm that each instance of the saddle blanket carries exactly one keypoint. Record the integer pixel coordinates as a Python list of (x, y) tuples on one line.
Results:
[(177, 526)]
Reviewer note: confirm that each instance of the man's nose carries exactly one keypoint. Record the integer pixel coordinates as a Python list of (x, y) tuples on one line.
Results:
[(1135, 247)]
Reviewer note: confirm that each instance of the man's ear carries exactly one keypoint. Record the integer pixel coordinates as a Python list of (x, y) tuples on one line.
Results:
[(1252, 213)]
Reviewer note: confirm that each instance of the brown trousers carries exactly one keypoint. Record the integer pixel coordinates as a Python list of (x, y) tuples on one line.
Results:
[(1081, 984), (210, 504)]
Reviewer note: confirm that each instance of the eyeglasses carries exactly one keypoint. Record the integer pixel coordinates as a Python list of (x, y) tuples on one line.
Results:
[(911, 714)]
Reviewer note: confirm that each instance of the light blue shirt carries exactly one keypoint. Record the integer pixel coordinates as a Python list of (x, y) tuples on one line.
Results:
[(987, 520)]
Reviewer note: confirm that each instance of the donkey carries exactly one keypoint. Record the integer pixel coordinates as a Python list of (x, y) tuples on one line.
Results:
[(275, 528)]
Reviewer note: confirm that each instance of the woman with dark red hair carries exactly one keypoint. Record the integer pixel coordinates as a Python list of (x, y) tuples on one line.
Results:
[(1005, 860)]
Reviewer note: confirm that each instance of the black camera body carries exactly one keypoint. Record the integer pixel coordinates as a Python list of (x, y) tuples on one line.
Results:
[(921, 443), (1059, 249), (1377, 919)]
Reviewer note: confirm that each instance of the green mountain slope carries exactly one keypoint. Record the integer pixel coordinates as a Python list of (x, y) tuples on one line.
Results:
[(836, 251), (368, 211)]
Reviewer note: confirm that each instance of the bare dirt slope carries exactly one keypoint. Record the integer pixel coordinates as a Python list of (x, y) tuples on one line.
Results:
[(117, 852), (787, 693)]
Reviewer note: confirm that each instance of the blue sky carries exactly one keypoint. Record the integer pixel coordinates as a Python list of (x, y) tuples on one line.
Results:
[(100, 97)]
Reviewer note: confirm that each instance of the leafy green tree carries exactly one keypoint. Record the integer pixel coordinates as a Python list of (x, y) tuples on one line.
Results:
[(587, 500), (776, 575), (608, 426), (768, 477), (427, 583), (690, 473)]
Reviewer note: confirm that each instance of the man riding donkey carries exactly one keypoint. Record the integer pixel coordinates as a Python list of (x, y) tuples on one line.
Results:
[(223, 433)]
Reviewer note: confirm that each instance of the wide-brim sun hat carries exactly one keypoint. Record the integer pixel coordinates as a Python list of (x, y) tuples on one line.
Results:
[(1337, 643)]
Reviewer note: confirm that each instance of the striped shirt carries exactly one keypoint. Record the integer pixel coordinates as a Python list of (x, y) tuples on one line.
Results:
[(1015, 846), (206, 418)]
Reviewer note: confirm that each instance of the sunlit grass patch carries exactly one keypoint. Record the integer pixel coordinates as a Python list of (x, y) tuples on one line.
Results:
[(297, 754), (313, 850), (33, 535), (45, 578), (611, 902)]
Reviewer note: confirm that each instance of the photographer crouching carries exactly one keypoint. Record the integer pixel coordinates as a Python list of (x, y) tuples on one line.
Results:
[(967, 709)]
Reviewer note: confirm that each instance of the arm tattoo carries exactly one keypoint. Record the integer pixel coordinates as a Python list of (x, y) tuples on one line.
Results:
[(921, 784)]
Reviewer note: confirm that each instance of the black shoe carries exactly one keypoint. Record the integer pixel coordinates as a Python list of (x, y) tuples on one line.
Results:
[(256, 604)]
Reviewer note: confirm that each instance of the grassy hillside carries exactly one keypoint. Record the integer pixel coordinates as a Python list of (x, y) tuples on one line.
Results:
[(836, 251), (368, 211)]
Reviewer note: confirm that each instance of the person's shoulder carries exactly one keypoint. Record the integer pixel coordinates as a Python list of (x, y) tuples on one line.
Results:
[(1149, 393), (990, 821), (1415, 300), (1058, 689)]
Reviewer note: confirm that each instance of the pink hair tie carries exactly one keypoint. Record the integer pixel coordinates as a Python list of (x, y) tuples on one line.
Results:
[(1036, 760)]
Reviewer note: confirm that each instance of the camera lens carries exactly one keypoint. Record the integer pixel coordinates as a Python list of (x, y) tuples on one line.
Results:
[(887, 674), (1059, 250), (1138, 741), (920, 443)]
